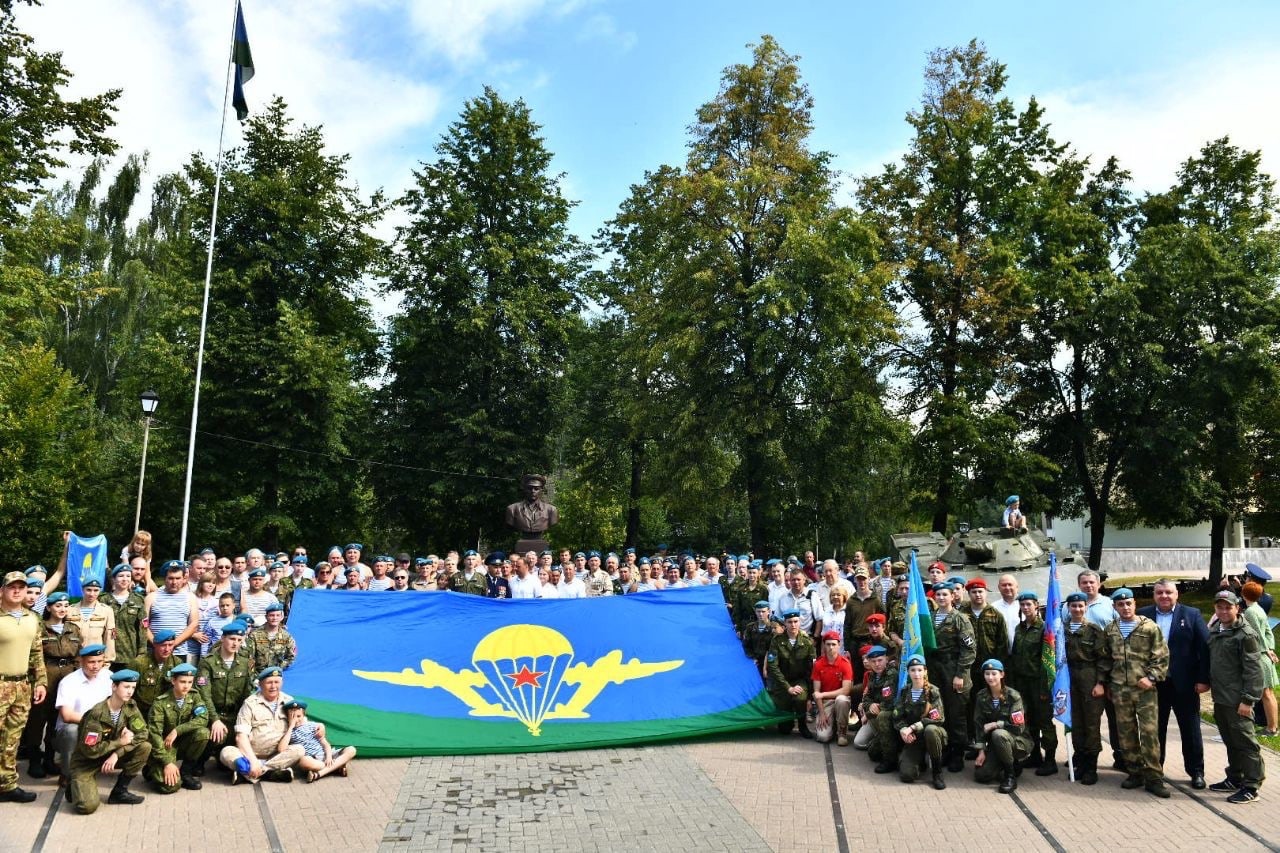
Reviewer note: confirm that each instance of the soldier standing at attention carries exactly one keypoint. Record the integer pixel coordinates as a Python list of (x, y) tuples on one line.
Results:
[(757, 637), (112, 733), (22, 680), (1028, 678), (1235, 676), (178, 728), (1136, 658), (1084, 645), (790, 663), (949, 668)]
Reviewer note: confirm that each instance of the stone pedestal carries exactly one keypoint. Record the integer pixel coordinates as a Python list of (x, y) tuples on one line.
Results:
[(537, 546)]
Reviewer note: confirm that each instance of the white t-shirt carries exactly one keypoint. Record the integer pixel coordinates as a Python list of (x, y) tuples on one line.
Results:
[(573, 589), (548, 590), (525, 587), (79, 694)]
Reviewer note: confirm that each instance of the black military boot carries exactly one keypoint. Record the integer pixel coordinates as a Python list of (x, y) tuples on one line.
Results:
[(51, 767), (37, 771), (1034, 759), (886, 766), (803, 722), (1009, 783), (1048, 767), (121, 795), (1088, 769), (939, 783), (188, 773), (955, 760)]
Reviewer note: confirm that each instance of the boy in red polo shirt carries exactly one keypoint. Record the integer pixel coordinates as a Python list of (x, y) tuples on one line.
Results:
[(832, 685)]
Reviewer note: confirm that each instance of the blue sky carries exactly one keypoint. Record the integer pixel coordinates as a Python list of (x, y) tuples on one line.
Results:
[(616, 84)]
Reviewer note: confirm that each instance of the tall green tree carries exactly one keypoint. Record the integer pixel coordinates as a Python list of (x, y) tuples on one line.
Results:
[(291, 343), (757, 306), (489, 276), (1208, 263), (952, 217)]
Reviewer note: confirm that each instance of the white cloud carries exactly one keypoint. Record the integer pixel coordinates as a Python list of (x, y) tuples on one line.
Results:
[(602, 27), (1155, 122), (459, 28)]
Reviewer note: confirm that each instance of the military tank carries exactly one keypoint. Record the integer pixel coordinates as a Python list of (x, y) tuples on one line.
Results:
[(991, 549)]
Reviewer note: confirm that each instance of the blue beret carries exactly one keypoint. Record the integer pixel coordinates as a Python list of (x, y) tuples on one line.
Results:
[(611, 554), (915, 660), (580, 554), (277, 565), (125, 675), (1122, 594), (876, 652), (1077, 596), (728, 557), (122, 569), (58, 596), (299, 558), (793, 560), (791, 614), (31, 570), (93, 649), (470, 553), (755, 564), (776, 618), (941, 585), (430, 561), (629, 551), (1028, 596), (353, 546), (234, 628), (591, 554), (956, 579), (420, 561), (294, 703), (644, 561), (258, 573), (275, 607), (270, 671), (204, 551), (88, 582), (772, 561), (351, 570), (762, 603), (662, 546), (992, 663), (164, 636), (35, 583), (1011, 500), (172, 565), (182, 669)]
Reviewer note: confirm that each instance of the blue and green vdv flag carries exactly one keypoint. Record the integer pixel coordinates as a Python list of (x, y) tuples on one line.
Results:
[(443, 673), (242, 59)]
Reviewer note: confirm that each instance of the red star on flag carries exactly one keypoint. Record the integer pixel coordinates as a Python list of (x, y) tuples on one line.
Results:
[(524, 676)]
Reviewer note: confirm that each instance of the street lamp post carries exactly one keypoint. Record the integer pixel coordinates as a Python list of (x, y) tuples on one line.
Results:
[(150, 402)]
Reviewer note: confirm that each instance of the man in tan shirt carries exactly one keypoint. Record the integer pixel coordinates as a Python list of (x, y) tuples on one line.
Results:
[(97, 621), (260, 725)]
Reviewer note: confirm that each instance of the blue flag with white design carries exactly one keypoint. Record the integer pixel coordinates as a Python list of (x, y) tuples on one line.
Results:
[(86, 559), (1054, 650), (917, 623)]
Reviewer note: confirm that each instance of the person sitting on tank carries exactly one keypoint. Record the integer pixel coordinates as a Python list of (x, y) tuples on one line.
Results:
[(1013, 518)]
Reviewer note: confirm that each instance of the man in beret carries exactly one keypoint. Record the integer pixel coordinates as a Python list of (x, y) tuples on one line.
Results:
[(296, 579), (875, 711), (178, 729), (1135, 660), (471, 579), (991, 637), (754, 590), (496, 586), (380, 582), (224, 680), (790, 664), (77, 693), (425, 579), (111, 734), (597, 580), (1235, 673), (272, 644), (757, 636), (949, 667), (22, 680), (260, 729), (254, 598), (153, 668), (1027, 676), (832, 679), (1085, 643)]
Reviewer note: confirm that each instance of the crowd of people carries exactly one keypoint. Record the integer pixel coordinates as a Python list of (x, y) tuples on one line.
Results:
[(155, 679)]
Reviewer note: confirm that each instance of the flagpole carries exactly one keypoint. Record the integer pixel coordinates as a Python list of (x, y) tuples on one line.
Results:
[(208, 277)]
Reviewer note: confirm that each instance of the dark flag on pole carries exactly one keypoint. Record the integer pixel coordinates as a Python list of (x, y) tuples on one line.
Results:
[(243, 61)]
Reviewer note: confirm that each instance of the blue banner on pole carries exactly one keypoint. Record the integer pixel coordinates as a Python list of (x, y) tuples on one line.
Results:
[(86, 558), (1055, 648)]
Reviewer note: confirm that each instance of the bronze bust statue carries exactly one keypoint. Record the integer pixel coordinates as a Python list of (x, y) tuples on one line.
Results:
[(533, 515)]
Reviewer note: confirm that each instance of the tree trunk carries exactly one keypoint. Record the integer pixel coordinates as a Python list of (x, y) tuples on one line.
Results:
[(942, 503), (1097, 531), (271, 503), (633, 495), (1217, 539), (753, 468)]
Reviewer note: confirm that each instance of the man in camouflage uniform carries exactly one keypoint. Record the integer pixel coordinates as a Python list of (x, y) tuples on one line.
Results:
[(898, 609), (991, 643), (1085, 643), (102, 744), (749, 593), (1027, 676), (1134, 660), (472, 578), (224, 680), (294, 581), (153, 670), (273, 645), (130, 610), (22, 680), (790, 663), (178, 728), (758, 637), (1235, 673), (949, 668), (875, 711)]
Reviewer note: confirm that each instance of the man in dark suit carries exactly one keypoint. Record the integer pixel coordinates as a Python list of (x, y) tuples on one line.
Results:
[(1188, 639)]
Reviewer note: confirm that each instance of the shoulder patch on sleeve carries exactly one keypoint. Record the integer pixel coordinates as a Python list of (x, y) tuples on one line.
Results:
[(91, 738), (1018, 718), (934, 714)]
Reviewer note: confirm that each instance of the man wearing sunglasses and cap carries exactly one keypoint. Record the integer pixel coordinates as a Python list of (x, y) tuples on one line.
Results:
[(22, 680)]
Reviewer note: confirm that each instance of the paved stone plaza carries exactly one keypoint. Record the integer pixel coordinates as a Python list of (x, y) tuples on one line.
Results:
[(751, 792)]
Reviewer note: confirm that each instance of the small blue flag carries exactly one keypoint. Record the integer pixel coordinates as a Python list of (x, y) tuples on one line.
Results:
[(86, 559), (243, 60), (1054, 649), (917, 624)]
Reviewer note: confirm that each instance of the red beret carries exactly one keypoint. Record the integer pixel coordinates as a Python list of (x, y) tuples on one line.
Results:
[(875, 618), (831, 635), (862, 652), (978, 582)]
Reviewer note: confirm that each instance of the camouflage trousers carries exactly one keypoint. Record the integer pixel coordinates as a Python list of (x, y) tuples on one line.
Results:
[(910, 757), (1086, 715), (1003, 750), (1136, 724), (15, 705), (189, 748), (1040, 727), (83, 784)]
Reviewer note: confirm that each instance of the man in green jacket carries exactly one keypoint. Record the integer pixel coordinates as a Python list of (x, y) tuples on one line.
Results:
[(1235, 677), (112, 734), (178, 728), (790, 663)]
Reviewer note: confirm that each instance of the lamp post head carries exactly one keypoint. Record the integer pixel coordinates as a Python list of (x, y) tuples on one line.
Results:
[(150, 402)]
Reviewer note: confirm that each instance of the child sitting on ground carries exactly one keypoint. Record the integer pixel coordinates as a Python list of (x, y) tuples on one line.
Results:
[(320, 760)]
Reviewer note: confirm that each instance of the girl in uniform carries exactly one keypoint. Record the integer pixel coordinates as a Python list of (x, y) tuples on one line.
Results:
[(918, 720), (999, 722)]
